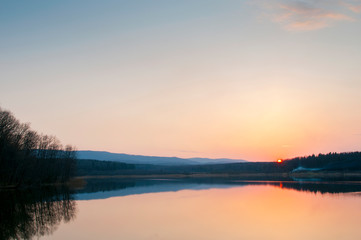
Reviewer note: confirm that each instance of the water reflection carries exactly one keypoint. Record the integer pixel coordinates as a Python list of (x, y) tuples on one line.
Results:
[(216, 209), (113, 187), (321, 187), (39, 212), (34, 212)]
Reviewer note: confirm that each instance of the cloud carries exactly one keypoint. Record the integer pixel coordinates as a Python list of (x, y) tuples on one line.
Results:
[(308, 15), (355, 7)]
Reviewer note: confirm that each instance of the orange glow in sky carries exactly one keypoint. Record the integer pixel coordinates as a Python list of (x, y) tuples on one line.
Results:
[(184, 80)]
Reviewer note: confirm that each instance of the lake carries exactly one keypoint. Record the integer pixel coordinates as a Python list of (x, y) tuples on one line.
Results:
[(185, 209)]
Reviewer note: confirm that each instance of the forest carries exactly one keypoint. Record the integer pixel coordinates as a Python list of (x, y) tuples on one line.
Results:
[(30, 158), (331, 162)]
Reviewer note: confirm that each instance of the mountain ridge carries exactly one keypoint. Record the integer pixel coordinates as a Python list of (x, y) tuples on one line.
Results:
[(155, 160)]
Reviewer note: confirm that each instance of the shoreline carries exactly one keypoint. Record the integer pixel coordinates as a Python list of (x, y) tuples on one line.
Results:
[(77, 182), (322, 175)]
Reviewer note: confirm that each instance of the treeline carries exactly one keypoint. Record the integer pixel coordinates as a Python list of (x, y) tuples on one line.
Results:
[(96, 167), (350, 161), (336, 162), (29, 158)]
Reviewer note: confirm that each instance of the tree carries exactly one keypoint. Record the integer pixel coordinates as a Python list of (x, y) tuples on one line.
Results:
[(27, 157)]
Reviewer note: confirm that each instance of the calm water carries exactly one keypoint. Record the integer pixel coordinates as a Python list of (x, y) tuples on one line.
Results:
[(174, 209)]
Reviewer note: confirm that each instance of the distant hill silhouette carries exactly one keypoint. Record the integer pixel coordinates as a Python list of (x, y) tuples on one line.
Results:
[(322, 163), (139, 159)]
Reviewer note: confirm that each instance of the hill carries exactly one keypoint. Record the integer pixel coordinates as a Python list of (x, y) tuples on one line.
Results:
[(139, 159), (322, 164)]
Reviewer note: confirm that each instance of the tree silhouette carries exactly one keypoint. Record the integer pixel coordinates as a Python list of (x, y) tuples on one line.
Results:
[(27, 157)]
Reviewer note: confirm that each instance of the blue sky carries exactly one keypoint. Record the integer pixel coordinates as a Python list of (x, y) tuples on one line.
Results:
[(244, 79)]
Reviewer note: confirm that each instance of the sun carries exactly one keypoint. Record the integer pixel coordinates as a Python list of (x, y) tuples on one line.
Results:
[(279, 160)]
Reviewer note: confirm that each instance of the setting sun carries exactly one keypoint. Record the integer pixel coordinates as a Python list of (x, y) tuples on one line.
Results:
[(164, 119)]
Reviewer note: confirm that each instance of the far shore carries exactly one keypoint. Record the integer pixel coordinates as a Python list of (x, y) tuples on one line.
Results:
[(80, 181), (301, 175)]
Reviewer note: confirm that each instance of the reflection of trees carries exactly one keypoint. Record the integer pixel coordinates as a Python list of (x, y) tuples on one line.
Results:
[(319, 187), (105, 185), (30, 213), (140, 186)]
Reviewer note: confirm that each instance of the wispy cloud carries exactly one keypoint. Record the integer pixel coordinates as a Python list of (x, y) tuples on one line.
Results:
[(354, 6), (356, 9), (307, 15)]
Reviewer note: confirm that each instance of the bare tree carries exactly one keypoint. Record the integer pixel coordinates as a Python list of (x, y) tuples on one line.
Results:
[(27, 157)]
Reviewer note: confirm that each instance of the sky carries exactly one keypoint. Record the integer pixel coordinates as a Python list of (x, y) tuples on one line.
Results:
[(247, 79)]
